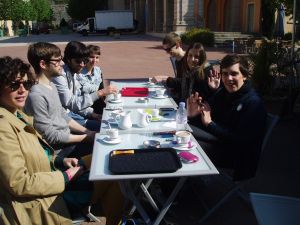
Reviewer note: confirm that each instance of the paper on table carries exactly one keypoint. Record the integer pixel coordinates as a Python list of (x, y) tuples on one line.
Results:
[(170, 124)]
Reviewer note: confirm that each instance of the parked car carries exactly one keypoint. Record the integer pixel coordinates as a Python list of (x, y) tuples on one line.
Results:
[(75, 26), (40, 29)]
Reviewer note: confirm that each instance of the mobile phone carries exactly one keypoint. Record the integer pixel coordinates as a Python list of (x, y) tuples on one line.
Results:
[(188, 157), (166, 109)]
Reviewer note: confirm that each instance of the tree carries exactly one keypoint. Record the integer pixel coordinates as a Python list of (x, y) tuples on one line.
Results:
[(17, 10), (80, 10), (268, 9)]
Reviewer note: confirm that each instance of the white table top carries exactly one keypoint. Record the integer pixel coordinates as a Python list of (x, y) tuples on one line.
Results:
[(100, 171), (166, 123), (133, 102)]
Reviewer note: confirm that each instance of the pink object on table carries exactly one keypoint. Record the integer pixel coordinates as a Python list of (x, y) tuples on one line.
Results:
[(134, 92)]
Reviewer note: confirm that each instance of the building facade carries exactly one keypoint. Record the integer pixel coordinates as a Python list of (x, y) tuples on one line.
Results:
[(232, 15)]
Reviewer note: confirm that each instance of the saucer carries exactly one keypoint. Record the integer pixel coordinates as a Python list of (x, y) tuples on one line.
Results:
[(156, 118), (107, 140), (183, 147), (151, 84), (112, 121), (160, 97), (115, 101)]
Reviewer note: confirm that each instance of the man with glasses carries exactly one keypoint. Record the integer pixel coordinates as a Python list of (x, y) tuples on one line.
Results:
[(172, 45), (69, 88), (43, 103), (232, 123)]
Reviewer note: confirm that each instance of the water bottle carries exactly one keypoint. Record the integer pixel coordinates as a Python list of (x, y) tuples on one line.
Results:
[(181, 117)]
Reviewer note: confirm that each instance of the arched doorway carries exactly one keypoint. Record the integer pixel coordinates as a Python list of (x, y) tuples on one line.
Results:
[(212, 15), (232, 15)]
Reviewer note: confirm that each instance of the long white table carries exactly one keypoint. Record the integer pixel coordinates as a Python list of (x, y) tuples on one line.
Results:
[(133, 139)]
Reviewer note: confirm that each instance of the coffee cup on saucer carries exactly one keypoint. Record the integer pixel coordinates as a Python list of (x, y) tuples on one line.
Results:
[(160, 92), (113, 133), (182, 137)]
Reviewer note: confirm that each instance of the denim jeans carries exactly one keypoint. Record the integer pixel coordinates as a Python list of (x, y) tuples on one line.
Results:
[(93, 125)]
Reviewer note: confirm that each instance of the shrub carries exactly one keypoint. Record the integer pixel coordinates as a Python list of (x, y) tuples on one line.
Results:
[(63, 23), (205, 36)]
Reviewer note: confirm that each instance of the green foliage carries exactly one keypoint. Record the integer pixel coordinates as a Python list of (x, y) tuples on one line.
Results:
[(205, 36), (17, 10), (80, 10), (268, 9), (261, 77), (269, 63)]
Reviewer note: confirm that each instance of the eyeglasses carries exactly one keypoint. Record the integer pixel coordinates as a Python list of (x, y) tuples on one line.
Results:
[(80, 60), (56, 61), (232, 73), (27, 84), (170, 48)]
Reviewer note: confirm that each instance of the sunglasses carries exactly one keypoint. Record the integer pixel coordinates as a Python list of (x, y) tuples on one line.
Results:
[(56, 61), (27, 84), (80, 60), (169, 49)]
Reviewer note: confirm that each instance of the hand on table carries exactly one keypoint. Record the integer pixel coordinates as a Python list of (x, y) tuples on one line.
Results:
[(108, 90)]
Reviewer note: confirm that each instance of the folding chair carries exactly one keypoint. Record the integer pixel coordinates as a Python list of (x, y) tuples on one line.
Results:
[(237, 186), (275, 209), (173, 62)]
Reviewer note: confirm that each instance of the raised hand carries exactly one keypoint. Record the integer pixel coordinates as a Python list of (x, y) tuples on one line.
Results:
[(205, 113), (214, 79), (193, 105)]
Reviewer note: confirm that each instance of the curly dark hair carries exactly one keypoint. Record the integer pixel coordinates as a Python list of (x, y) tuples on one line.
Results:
[(10, 69)]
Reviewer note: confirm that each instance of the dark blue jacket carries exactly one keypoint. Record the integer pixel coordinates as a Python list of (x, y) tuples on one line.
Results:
[(239, 123)]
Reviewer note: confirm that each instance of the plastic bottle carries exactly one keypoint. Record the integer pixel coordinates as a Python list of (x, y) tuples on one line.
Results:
[(181, 117)]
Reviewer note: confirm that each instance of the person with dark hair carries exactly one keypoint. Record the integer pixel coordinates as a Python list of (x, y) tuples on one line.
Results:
[(91, 79), (43, 103), (197, 75), (230, 126), (38, 187), (173, 46), (69, 89), (28, 167)]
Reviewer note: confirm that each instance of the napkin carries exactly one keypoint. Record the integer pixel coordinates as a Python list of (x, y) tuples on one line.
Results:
[(134, 92)]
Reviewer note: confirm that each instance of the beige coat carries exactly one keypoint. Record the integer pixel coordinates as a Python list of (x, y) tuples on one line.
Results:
[(29, 191)]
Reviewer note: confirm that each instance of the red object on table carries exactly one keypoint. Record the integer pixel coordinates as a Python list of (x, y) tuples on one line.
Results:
[(134, 92)]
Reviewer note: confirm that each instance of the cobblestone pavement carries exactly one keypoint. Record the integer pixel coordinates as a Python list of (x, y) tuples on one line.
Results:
[(137, 56)]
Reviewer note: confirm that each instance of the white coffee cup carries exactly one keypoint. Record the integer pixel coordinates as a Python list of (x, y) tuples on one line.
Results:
[(182, 137), (113, 133), (117, 96), (160, 92), (155, 112)]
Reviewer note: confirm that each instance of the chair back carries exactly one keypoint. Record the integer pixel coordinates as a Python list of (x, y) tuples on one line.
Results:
[(173, 60), (275, 210), (271, 122)]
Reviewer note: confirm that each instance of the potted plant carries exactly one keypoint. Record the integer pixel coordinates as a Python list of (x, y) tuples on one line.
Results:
[(270, 76)]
